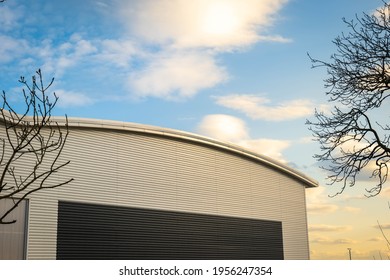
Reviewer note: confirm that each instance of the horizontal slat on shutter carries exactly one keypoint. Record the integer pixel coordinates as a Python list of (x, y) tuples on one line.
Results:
[(91, 231)]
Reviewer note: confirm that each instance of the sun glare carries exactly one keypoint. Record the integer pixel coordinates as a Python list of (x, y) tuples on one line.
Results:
[(220, 19)]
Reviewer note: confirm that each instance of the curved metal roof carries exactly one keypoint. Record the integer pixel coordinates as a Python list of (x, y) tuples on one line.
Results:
[(191, 137)]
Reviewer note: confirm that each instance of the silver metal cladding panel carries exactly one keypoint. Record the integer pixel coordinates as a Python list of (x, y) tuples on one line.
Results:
[(13, 236), (150, 171)]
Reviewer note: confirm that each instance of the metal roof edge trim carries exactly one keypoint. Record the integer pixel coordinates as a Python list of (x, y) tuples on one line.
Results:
[(192, 137), (168, 132)]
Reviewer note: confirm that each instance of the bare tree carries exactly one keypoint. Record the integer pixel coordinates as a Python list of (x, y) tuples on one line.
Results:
[(350, 137), (31, 144)]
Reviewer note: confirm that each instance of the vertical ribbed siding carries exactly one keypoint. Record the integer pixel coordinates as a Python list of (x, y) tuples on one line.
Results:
[(146, 171)]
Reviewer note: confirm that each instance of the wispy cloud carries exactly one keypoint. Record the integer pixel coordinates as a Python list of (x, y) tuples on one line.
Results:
[(259, 107), (120, 52), (318, 203), (72, 99), (58, 58), (9, 16), (13, 48), (352, 209), (383, 226), (275, 38), (329, 241), (328, 228), (321, 208), (375, 239)]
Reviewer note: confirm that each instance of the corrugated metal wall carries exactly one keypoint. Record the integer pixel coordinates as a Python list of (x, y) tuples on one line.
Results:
[(13, 236), (148, 171)]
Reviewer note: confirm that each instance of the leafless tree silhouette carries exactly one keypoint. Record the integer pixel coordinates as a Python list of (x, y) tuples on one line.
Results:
[(350, 137), (31, 144)]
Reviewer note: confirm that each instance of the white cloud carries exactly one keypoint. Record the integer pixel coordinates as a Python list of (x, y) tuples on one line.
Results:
[(318, 203), (269, 147), (188, 35), (221, 24), (72, 99), (174, 43), (257, 107), (380, 11), (231, 129), (223, 127), (177, 75), (315, 195)]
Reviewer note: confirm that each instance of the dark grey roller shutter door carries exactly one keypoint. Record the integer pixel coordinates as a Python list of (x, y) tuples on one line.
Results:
[(89, 231)]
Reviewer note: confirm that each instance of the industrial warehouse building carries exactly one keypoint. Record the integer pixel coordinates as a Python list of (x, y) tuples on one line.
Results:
[(143, 192)]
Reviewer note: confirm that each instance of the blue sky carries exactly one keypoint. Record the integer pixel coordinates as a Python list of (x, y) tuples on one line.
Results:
[(233, 70)]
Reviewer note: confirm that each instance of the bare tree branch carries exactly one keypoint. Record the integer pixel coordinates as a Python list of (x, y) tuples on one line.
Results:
[(31, 145), (359, 82)]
